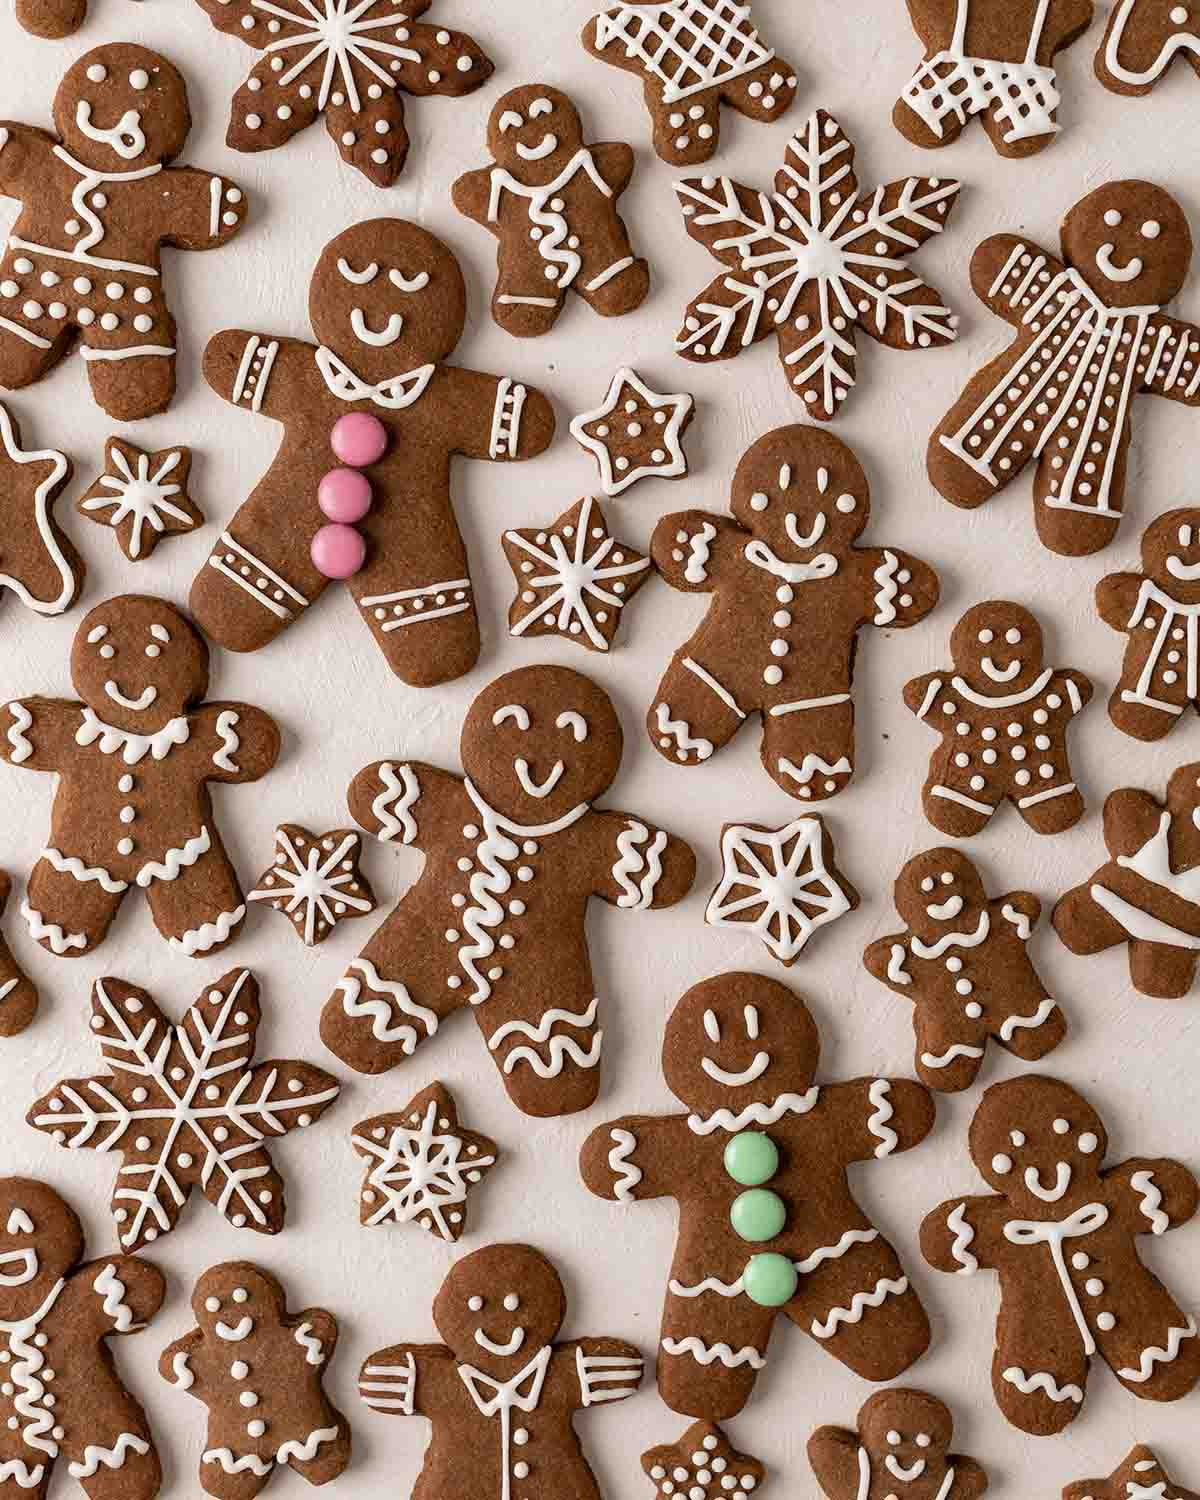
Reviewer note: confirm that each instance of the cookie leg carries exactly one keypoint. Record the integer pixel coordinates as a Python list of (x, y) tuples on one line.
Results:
[(1161, 969), (611, 280), (928, 113), (1153, 1349), (949, 1056), (25, 355), (217, 1480), (1078, 528), (67, 915), (199, 908), (526, 301), (809, 749), (710, 1352), (687, 131), (1039, 1373), (420, 609), (549, 1057), (763, 94), (119, 1472), (329, 1459), (1083, 924), (1033, 1031), (964, 466), (693, 714), (1053, 810), (53, 19), (1140, 718), (960, 814), (130, 385)]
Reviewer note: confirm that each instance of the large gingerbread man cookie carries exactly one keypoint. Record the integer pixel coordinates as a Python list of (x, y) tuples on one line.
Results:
[(791, 591), (1091, 336), (767, 1221), (1143, 39), (360, 487), (99, 201), (514, 851), (1061, 1230), (901, 1435)]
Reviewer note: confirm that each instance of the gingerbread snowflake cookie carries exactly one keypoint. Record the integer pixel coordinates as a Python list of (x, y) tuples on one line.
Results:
[(18, 993), (315, 880), (360, 487), (514, 851), (767, 1222), (1060, 1230), (692, 56), (991, 59), (790, 592), (185, 1106), (39, 564), (703, 1465), (499, 1392), (99, 201), (1091, 336), (421, 1165), (351, 66), (635, 433), (1143, 39), (900, 1435), (259, 1369), (142, 496), (964, 964), (574, 578), (1139, 1477), (551, 201), (1003, 718), (62, 1396)]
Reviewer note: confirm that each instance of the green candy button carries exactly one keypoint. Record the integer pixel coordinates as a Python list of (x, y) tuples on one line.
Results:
[(757, 1214), (770, 1280), (751, 1158)]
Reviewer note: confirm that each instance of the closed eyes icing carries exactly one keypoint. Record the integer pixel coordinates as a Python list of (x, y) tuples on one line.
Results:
[(125, 137), (510, 120), (540, 107), (359, 278), (143, 701), (514, 711), (1109, 268), (503, 1350), (378, 339), (404, 283), (575, 722)]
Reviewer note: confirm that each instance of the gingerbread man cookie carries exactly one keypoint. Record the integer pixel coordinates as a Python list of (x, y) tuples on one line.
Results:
[(62, 1395), (40, 565), (1003, 718), (388, 305), (259, 1370), (1140, 1477), (18, 993), (53, 19), (134, 761), (1142, 40), (902, 1435), (500, 1394), (703, 1465), (1148, 893), (495, 923), (1060, 1230), (551, 201), (1091, 336), (767, 1221), (963, 963), (142, 496), (791, 591), (99, 201)]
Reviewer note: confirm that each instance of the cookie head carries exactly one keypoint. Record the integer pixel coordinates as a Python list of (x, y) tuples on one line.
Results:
[(737, 1040), (1183, 792), (1040, 1144), (803, 493), (1171, 554), (906, 1432), (233, 1300), (1130, 242), (997, 647), (539, 742), (940, 892), (40, 1240), (533, 132), (121, 108), (137, 663), (498, 1307)]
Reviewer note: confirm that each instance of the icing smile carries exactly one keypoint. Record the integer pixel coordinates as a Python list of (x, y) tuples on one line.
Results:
[(914, 1471), (25, 1267), (762, 1061), (388, 334), (549, 143), (1185, 572), (1001, 674), (949, 908), (1108, 266), (125, 137), (533, 788), (502, 1350), (144, 699), (240, 1330), (798, 537), (1062, 1181)]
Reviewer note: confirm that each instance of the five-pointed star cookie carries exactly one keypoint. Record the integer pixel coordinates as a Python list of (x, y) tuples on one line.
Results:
[(573, 578), (421, 1164), (37, 561), (702, 1465), (1139, 1477), (635, 433), (142, 496), (315, 880)]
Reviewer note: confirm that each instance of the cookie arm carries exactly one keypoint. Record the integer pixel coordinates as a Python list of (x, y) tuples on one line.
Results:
[(121, 1293), (1020, 909), (635, 1157), (1131, 816), (903, 589), (970, 1478), (1172, 369), (177, 1364), (410, 1380), (965, 1233), (260, 372), (1152, 1196), (408, 802), (198, 210), (601, 1369), (1117, 597), (686, 543), (1081, 686), (833, 1454), (1005, 271), (876, 1117), (886, 958), (638, 865), (38, 734), (26, 155), (921, 693), (244, 741), (615, 162), (494, 417), (316, 1331), (472, 196)]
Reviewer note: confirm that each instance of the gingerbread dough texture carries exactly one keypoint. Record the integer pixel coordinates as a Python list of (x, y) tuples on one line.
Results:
[(40, 566), (387, 305), (963, 963), (259, 1370), (767, 1222), (1139, 1477), (499, 1393), (142, 496), (495, 924), (99, 200), (53, 19), (901, 1435), (1061, 1230), (791, 591), (1091, 336), (551, 201), (1142, 40), (1147, 894), (18, 993)]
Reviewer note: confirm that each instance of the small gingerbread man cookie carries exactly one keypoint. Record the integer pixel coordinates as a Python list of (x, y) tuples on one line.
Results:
[(1143, 39), (902, 1435), (1140, 1477)]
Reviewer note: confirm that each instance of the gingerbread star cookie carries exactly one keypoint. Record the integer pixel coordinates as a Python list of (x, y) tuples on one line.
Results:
[(1140, 1477), (635, 433), (703, 1464), (315, 880), (37, 561), (142, 496)]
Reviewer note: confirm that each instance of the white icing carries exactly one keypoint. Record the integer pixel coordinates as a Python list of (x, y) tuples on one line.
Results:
[(380, 1010), (376, 338), (836, 1251), (142, 498), (73, 865), (1157, 1355), (944, 1059), (756, 1069), (305, 1450), (395, 393), (1012, 1024), (668, 433), (1144, 1184), (687, 46), (314, 1354), (59, 939), (885, 577), (639, 861), (227, 721), (393, 1387), (678, 730), (710, 681), (554, 241), (877, 1124), (112, 1458), (1018, 919), (964, 1235), (420, 1172), (705, 1354), (242, 568), (109, 1286), (42, 499), (559, 1047), (22, 719), (725, 1289), (392, 808), (1084, 1221), (885, 1287), (1041, 1381), (622, 1165), (953, 940), (174, 860), (321, 883), (1179, 41), (133, 747), (33, 1415), (754, 1114), (597, 1372), (209, 934), (184, 1375)]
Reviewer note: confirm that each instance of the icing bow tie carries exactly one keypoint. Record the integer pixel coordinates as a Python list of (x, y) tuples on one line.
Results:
[(1085, 1220), (824, 565), (491, 1396), (392, 394)]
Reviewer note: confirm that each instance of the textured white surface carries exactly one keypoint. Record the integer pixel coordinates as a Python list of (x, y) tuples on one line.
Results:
[(340, 708)]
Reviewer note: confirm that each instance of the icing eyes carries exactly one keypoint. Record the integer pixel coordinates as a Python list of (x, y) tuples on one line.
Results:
[(19, 1222), (97, 73), (1112, 218), (403, 283), (95, 636), (751, 1017), (1013, 637), (1179, 15), (1061, 1127), (1185, 536), (759, 501), (575, 722), (712, 1027), (1151, 229), (359, 278), (139, 79), (1088, 1142), (923, 1440), (894, 1438), (240, 1294), (1001, 1164), (927, 883), (986, 637), (510, 120), (785, 476), (512, 1302), (212, 1304), (475, 1304), (513, 711), (846, 504), (539, 107), (160, 633), (947, 878)]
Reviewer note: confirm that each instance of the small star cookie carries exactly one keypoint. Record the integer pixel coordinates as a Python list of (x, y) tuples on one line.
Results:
[(703, 1464), (142, 496), (315, 880), (635, 433)]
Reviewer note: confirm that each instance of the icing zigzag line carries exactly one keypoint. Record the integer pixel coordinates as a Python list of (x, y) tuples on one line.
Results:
[(884, 1287), (60, 941), (1154, 1355), (209, 934), (1042, 1382), (877, 1124), (392, 805), (560, 1048), (26, 1477), (541, 1032), (231, 1465), (22, 749), (307, 1449), (631, 863), (314, 1354), (112, 1289), (71, 864), (705, 1354), (174, 860), (835, 1252), (627, 1172), (885, 577), (680, 731), (379, 1010), (111, 1458), (1014, 1023), (964, 1234)]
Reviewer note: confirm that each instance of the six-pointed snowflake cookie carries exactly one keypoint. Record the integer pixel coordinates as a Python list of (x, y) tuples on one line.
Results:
[(142, 496), (185, 1106), (703, 1465), (315, 880), (38, 562), (1140, 1477), (573, 579), (813, 260), (421, 1164), (635, 433)]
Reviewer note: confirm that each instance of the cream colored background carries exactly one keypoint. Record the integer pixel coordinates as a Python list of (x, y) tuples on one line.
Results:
[(340, 708)]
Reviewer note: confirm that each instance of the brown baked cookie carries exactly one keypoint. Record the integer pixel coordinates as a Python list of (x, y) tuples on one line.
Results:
[(185, 1106), (496, 922), (352, 65), (1060, 1231), (791, 591), (18, 993), (901, 1435), (38, 562), (692, 56), (360, 487), (500, 1394), (1003, 717), (1142, 39), (53, 19), (767, 1221), (551, 201), (99, 201), (574, 578), (259, 1369), (963, 962), (635, 433), (134, 761), (315, 880), (62, 1396), (421, 1165), (1090, 337), (994, 59), (142, 496), (1140, 1477), (1148, 893), (702, 1465)]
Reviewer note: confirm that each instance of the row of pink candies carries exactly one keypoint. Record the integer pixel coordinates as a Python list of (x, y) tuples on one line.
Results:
[(344, 495)]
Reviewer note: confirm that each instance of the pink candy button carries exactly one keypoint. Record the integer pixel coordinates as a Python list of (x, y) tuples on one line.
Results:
[(344, 495), (338, 551), (358, 439)]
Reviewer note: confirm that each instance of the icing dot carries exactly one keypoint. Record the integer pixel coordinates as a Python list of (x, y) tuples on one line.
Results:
[(1061, 1126), (1112, 218), (1088, 1142), (97, 73), (1001, 1164), (139, 79)]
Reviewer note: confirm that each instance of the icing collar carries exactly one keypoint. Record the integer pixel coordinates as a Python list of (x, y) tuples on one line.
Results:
[(392, 394), (133, 747), (522, 830), (505, 1395), (824, 565)]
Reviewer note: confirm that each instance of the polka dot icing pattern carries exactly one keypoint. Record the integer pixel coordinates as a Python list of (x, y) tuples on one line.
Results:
[(702, 1465)]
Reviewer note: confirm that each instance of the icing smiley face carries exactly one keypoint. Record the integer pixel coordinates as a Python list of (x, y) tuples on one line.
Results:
[(939, 892), (121, 108), (230, 1301), (998, 647), (906, 1432), (1171, 554), (499, 1307), (534, 132), (137, 663), (1130, 242), (1040, 1144), (802, 494), (40, 1240)]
